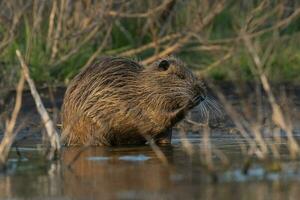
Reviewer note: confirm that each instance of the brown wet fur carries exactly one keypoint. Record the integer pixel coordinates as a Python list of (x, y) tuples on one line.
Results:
[(117, 101)]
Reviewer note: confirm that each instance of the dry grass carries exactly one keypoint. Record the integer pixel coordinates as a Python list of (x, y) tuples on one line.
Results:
[(60, 37)]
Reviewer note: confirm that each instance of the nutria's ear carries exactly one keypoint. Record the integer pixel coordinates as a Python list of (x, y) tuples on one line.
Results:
[(164, 65)]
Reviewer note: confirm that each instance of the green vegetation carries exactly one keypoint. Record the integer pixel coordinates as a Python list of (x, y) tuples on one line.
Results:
[(60, 37)]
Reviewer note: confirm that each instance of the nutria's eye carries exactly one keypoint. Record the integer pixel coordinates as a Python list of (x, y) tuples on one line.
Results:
[(164, 65)]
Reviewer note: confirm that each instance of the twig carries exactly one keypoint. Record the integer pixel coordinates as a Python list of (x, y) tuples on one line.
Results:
[(50, 128), (10, 134), (199, 26), (140, 15), (281, 24), (277, 115), (77, 48), (77, 155), (96, 53), (217, 63), (207, 149), (58, 30), (51, 23), (185, 143), (160, 155), (150, 45), (236, 118)]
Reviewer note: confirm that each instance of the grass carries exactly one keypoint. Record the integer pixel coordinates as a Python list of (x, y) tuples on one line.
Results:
[(129, 33)]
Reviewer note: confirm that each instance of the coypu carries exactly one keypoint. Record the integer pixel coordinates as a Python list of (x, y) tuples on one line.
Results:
[(118, 101)]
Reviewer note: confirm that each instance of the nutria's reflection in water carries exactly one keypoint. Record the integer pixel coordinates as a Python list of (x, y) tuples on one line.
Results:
[(112, 172), (136, 173)]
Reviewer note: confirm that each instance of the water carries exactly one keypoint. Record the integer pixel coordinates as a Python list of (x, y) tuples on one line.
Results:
[(137, 173)]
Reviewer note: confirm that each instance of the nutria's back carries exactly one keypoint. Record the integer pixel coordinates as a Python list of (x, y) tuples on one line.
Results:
[(118, 101)]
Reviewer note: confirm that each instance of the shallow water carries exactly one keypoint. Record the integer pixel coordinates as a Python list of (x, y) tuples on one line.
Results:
[(135, 172)]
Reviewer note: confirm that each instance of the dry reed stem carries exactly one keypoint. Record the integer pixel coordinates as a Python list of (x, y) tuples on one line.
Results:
[(8, 38), (261, 143), (10, 134), (239, 123), (185, 143), (160, 155), (217, 63), (78, 46), (58, 30), (38, 8), (198, 24), (145, 47), (77, 156), (280, 24), (258, 145), (149, 13), (207, 148), (221, 155), (50, 128), (101, 47), (51, 23), (277, 115)]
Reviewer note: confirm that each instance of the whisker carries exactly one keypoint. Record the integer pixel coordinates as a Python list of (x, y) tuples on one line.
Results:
[(210, 109)]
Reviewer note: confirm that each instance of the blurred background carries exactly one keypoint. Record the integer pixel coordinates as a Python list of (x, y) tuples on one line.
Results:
[(60, 37)]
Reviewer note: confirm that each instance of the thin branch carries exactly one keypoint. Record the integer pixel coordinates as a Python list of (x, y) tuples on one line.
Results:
[(101, 47), (160, 155), (217, 62), (199, 26), (167, 38), (140, 15), (10, 134), (50, 128), (277, 116)]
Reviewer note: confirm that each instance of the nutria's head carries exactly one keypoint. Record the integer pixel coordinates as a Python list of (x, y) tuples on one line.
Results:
[(172, 86)]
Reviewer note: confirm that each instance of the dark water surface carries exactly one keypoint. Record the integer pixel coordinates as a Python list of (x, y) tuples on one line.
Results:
[(137, 173)]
